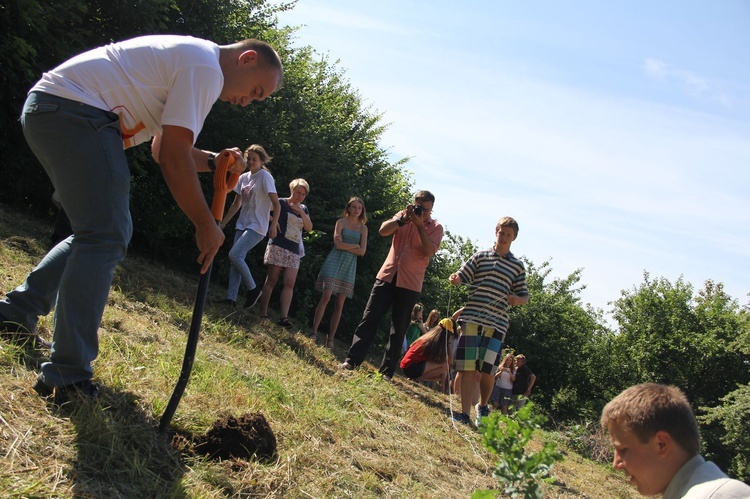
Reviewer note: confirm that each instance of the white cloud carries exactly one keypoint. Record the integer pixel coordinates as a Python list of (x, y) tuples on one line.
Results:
[(695, 85)]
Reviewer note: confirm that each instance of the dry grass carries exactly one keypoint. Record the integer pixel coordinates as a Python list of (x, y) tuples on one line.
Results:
[(340, 434)]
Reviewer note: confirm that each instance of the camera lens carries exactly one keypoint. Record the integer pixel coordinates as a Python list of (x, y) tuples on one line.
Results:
[(418, 210)]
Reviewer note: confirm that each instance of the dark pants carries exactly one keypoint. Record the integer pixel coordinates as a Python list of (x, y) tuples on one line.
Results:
[(384, 295)]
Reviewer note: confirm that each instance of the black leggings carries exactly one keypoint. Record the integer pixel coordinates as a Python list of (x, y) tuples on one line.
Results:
[(415, 370)]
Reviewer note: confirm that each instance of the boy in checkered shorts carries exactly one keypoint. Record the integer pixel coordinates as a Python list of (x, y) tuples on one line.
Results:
[(497, 280)]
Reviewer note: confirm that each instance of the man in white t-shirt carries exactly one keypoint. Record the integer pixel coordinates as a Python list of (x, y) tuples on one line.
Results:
[(78, 119)]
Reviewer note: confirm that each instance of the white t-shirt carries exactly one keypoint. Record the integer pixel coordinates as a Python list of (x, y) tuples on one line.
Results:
[(504, 381), (256, 205), (149, 81)]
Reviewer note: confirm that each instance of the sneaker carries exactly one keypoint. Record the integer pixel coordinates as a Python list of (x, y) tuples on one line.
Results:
[(347, 366), (229, 303), (461, 417), (482, 412), (253, 296), (20, 335), (284, 322), (87, 389)]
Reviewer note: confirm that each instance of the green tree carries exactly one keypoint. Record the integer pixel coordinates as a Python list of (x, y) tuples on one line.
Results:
[(670, 337), (726, 433), (557, 335)]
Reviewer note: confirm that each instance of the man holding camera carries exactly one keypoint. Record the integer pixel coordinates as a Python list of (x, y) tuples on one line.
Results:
[(416, 237)]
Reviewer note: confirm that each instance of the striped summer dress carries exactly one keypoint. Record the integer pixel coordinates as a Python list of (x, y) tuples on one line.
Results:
[(340, 267)]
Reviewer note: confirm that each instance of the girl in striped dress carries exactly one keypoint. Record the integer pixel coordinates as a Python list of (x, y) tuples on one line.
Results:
[(340, 266)]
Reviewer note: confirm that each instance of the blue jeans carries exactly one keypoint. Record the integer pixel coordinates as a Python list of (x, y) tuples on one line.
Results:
[(244, 241), (81, 149)]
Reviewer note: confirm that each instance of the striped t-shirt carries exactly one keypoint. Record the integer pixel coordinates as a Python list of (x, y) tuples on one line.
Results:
[(491, 278)]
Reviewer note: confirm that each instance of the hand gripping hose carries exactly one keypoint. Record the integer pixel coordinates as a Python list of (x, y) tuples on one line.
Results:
[(222, 186)]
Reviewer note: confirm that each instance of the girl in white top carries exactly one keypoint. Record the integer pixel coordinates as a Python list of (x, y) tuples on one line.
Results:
[(256, 195), (502, 393)]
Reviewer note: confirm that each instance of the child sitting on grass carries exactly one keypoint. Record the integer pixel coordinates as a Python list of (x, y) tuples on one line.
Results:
[(430, 356)]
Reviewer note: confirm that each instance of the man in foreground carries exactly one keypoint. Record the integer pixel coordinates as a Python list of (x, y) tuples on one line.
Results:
[(656, 441), (78, 119)]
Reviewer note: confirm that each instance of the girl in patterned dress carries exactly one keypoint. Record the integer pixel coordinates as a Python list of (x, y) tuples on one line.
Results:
[(285, 251), (340, 266)]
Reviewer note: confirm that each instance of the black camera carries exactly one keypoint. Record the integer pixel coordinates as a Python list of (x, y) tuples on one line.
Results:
[(418, 210)]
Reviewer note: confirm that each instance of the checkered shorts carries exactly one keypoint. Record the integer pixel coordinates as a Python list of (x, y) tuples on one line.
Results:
[(479, 348)]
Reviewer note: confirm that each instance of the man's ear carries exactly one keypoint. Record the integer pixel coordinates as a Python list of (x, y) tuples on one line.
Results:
[(664, 443), (247, 57)]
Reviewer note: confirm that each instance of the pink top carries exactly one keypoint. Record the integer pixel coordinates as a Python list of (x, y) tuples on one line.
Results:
[(406, 260)]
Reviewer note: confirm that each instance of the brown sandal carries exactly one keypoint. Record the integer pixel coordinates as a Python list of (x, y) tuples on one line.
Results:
[(329, 343)]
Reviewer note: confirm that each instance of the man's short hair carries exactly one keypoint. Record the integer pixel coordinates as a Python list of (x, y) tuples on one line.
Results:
[(268, 55), (650, 407), (507, 222), (425, 196)]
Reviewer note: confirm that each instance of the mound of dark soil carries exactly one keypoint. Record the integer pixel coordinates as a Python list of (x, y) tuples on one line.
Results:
[(245, 437)]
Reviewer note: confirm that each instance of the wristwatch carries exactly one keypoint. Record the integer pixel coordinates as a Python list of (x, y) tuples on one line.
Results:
[(210, 161)]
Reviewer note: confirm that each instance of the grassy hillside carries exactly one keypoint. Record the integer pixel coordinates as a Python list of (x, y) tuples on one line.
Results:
[(339, 434)]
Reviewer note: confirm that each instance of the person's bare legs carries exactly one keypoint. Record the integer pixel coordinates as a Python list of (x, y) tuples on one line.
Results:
[(320, 310), (290, 277), (468, 388), (272, 275), (486, 383), (433, 371), (338, 308)]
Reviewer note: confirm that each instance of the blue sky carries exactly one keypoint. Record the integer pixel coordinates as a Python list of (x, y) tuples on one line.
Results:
[(617, 133)]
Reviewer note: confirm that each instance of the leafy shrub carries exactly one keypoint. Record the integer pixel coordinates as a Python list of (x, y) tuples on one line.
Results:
[(518, 473)]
